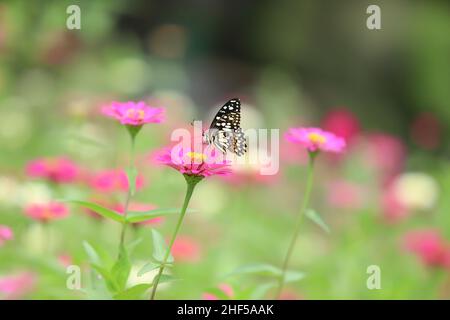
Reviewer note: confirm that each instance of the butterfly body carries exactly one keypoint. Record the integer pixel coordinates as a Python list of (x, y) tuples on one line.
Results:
[(225, 132)]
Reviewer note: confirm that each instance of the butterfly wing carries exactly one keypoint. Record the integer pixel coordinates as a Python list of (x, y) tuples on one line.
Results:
[(228, 118), (225, 128), (239, 145)]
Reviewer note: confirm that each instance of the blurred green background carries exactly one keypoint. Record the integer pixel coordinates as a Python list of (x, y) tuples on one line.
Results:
[(292, 63)]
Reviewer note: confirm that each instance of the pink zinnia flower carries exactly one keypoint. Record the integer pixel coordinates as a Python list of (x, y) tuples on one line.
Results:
[(17, 286), (201, 164), (47, 211), (5, 234), (133, 113), (387, 154), (113, 180), (429, 246), (315, 139), (342, 123), (186, 249), (141, 207), (59, 170)]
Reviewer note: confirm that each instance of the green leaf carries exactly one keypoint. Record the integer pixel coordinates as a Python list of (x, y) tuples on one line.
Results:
[(131, 176), (148, 267), (160, 247), (167, 278), (133, 293), (134, 216), (257, 269), (293, 276), (109, 280), (260, 291), (105, 212), (93, 256), (121, 269), (267, 270), (312, 215)]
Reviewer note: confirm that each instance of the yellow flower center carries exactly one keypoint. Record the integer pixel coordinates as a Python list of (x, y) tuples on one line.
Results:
[(135, 114), (201, 157), (317, 138)]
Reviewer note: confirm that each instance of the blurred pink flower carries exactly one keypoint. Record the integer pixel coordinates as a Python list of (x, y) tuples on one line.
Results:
[(6, 234), (225, 288), (431, 248), (113, 180), (392, 208), (342, 123), (47, 212), (133, 113), (65, 259), (186, 249), (426, 131), (191, 163), (59, 169), (141, 207), (345, 195), (386, 153), (17, 286), (315, 139)]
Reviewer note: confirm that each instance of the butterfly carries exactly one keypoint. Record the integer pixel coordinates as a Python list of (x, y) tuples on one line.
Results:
[(225, 131)]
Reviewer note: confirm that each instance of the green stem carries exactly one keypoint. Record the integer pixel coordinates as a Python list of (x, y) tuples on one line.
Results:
[(309, 183), (191, 183), (128, 197)]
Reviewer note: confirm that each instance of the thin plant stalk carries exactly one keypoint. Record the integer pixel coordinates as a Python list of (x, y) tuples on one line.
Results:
[(190, 189), (304, 206), (129, 195)]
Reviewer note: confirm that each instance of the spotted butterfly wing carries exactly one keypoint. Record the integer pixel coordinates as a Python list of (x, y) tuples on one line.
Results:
[(226, 129)]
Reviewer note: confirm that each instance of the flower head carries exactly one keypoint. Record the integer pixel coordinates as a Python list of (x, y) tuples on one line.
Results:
[(342, 123), (428, 244), (199, 164), (16, 286), (5, 234), (45, 212), (315, 139), (59, 169), (133, 113), (107, 181)]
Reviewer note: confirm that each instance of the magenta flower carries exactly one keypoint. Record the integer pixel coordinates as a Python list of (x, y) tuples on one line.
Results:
[(315, 139), (200, 164), (5, 234), (194, 166), (17, 286), (113, 180), (342, 123), (133, 113), (47, 211), (58, 170), (431, 248)]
